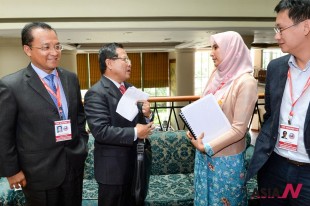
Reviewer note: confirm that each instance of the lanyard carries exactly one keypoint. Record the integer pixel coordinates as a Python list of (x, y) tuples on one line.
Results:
[(291, 114), (57, 96)]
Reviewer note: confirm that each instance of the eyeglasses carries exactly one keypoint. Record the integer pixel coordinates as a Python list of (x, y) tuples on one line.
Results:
[(57, 47), (125, 59), (279, 30)]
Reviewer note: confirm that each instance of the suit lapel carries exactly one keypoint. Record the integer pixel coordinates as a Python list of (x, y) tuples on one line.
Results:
[(36, 84), (279, 81), (111, 88), (283, 69)]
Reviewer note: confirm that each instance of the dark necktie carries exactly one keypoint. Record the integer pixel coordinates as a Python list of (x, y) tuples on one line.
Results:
[(51, 84), (122, 88)]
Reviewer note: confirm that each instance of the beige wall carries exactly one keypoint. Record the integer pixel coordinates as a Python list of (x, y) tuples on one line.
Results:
[(185, 71), (258, 53), (68, 60), (13, 58)]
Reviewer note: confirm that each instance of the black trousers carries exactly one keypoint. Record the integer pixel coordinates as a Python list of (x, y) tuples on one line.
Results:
[(279, 180), (69, 193), (115, 195)]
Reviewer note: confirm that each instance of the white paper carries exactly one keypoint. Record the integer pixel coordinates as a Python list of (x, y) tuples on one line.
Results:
[(127, 106), (205, 115)]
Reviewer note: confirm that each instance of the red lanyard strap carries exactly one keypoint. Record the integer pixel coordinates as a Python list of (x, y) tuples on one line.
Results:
[(57, 95), (291, 91)]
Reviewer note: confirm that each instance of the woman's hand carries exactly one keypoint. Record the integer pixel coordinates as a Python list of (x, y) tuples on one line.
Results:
[(197, 142)]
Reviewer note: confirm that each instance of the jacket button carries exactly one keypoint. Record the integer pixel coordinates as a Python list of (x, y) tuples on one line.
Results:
[(268, 153)]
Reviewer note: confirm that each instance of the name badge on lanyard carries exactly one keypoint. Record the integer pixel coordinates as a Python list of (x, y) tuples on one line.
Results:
[(288, 137), (63, 130)]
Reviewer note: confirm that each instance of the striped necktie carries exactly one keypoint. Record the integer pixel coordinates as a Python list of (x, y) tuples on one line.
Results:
[(122, 88), (51, 84)]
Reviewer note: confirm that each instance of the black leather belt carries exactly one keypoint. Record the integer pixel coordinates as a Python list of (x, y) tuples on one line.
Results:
[(299, 164)]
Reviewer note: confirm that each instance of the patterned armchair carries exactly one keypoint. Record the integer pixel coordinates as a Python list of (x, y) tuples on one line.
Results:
[(8, 197), (171, 181), (90, 186)]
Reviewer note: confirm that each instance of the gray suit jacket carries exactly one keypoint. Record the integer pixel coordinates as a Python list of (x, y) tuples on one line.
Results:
[(266, 140), (115, 149), (27, 140)]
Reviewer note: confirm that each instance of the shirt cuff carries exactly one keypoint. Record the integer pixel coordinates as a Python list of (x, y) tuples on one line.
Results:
[(208, 149), (136, 135)]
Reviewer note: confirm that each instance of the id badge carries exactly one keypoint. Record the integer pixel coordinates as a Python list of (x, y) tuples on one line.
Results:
[(63, 130), (288, 137)]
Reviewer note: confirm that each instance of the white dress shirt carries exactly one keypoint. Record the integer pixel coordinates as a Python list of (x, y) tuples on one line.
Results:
[(42, 74), (299, 79)]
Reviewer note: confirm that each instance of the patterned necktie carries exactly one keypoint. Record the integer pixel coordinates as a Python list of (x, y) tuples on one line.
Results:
[(51, 84), (122, 88)]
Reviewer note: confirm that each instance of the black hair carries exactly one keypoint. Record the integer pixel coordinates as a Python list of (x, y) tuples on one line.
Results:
[(298, 10), (107, 51), (27, 37)]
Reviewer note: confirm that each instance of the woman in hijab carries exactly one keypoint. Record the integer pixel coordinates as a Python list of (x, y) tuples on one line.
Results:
[(219, 164)]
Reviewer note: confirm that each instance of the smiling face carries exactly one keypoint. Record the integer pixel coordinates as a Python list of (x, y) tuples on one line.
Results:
[(216, 55), (45, 60), (119, 68)]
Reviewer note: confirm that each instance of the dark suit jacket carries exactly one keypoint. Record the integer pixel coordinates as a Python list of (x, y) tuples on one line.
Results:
[(27, 140), (115, 149), (267, 138)]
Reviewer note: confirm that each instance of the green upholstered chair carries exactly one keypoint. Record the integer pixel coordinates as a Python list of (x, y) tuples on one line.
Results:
[(171, 181)]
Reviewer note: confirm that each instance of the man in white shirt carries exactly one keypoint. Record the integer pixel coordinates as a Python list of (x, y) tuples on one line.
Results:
[(283, 165)]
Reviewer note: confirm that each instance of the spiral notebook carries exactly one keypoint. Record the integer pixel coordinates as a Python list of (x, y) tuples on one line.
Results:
[(205, 115)]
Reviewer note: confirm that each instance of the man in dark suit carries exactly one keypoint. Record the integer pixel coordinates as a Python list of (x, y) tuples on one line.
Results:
[(48, 167), (116, 137), (279, 162)]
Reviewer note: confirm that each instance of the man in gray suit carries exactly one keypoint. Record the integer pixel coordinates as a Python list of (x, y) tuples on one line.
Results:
[(283, 165), (46, 163), (116, 137)]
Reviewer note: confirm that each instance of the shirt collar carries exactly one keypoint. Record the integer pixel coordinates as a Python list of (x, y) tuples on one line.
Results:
[(292, 64), (42, 74), (115, 82)]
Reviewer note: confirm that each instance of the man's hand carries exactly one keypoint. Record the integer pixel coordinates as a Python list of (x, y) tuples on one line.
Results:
[(17, 181), (146, 108), (144, 130)]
